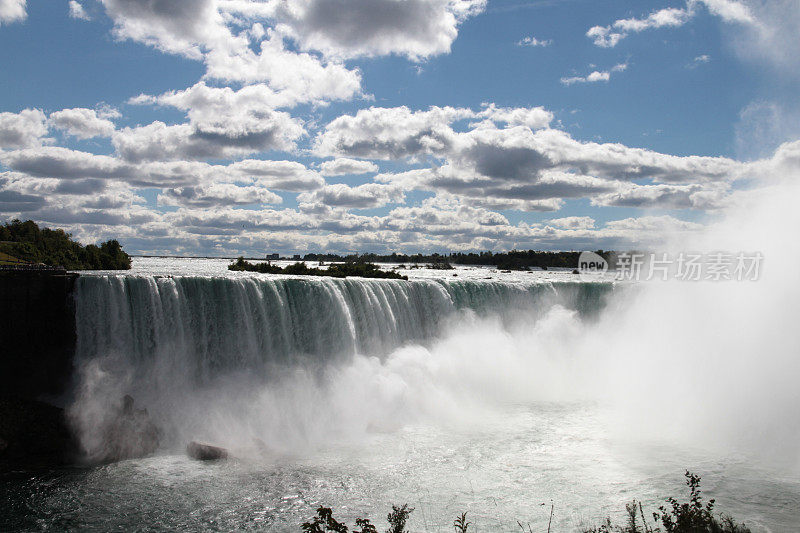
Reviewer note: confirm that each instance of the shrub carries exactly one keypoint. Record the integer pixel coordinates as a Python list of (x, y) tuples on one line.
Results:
[(324, 521), (398, 517), (460, 524)]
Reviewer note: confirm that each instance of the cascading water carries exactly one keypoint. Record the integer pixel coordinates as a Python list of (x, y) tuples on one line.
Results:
[(233, 359), (215, 323)]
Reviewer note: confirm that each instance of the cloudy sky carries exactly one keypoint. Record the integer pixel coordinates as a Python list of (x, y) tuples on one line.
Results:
[(226, 127)]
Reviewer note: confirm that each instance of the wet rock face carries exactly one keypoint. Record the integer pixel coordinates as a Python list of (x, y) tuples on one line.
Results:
[(130, 434), (205, 452)]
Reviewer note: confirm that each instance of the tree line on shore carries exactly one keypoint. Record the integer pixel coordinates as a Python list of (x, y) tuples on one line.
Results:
[(25, 243), (513, 260)]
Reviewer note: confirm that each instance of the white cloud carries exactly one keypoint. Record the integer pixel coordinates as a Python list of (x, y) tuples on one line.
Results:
[(773, 39), (58, 162), (399, 132), (510, 160), (297, 76), (664, 196), (499, 203), (187, 27), (80, 193), (54, 162), (343, 166), (217, 194), (521, 191), (369, 195), (609, 36), (77, 11), (785, 161), (210, 137), (532, 117), (23, 129), (504, 153), (203, 102), (443, 215), (728, 10), (198, 29), (659, 225), (320, 33), (533, 41), (595, 76), (572, 222), (83, 123), (210, 218), (12, 11), (279, 175), (519, 168), (390, 133), (416, 29)]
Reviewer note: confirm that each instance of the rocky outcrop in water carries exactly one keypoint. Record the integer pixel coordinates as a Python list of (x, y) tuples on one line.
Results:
[(130, 434), (205, 452)]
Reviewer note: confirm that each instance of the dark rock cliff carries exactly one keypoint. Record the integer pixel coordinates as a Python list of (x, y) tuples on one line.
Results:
[(37, 332), (37, 345)]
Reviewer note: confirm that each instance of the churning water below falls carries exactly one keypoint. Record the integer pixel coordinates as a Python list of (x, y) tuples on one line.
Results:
[(497, 394)]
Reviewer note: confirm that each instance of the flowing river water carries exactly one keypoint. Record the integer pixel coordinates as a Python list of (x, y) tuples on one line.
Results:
[(504, 395)]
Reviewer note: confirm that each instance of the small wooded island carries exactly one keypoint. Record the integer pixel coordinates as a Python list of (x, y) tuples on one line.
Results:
[(335, 270)]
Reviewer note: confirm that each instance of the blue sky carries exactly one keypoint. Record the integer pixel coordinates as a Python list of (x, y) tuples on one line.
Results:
[(389, 125)]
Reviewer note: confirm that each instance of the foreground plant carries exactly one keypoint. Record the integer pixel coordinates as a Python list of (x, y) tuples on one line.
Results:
[(460, 524), (694, 516), (689, 517), (324, 521)]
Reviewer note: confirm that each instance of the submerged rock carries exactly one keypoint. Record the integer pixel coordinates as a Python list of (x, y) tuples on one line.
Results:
[(205, 452)]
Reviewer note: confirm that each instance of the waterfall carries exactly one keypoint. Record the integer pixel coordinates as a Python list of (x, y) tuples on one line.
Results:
[(249, 351), (209, 325)]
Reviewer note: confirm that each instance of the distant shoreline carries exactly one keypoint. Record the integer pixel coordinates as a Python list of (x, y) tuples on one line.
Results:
[(512, 260)]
